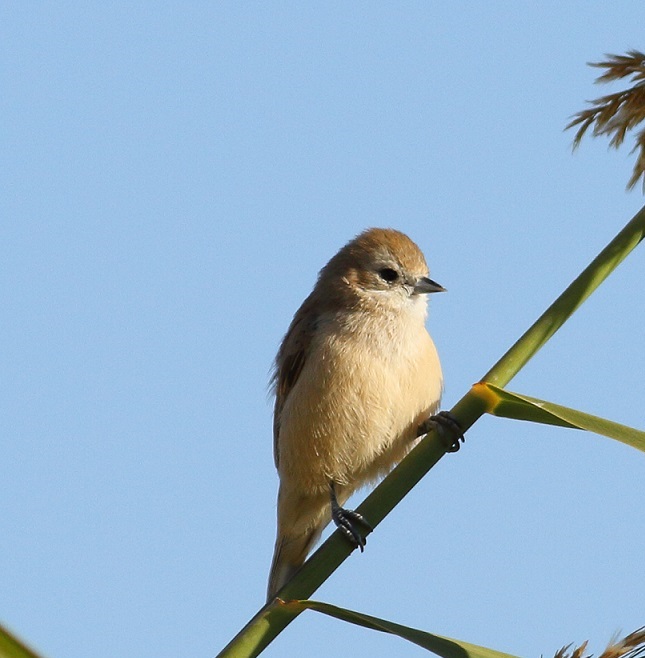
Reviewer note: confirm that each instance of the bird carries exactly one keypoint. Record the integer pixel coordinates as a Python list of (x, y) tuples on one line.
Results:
[(356, 379)]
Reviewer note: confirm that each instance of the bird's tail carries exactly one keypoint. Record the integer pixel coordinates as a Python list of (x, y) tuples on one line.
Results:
[(289, 555), (301, 521)]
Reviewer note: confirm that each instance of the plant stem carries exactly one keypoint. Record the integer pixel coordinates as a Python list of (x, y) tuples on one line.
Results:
[(565, 305)]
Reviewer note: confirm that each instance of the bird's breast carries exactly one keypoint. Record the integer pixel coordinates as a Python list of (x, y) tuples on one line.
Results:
[(354, 411)]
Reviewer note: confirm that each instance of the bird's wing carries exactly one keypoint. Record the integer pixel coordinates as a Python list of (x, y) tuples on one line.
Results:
[(289, 364)]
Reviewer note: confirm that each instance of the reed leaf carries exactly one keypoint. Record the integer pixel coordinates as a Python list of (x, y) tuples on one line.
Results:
[(12, 647), (505, 404), (445, 647)]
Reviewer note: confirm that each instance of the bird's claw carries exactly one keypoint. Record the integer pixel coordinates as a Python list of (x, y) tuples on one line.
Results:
[(346, 521), (448, 429)]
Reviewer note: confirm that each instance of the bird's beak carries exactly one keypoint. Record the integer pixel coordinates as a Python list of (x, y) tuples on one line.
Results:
[(425, 285)]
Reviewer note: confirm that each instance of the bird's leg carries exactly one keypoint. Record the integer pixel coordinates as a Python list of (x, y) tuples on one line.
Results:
[(347, 520), (447, 427)]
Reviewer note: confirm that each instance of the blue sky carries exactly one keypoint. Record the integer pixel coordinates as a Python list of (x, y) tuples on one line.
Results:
[(174, 176)]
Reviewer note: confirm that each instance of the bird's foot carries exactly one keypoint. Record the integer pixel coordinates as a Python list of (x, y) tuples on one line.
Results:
[(447, 427), (348, 522)]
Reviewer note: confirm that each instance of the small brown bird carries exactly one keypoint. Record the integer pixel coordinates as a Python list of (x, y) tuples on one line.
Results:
[(355, 377)]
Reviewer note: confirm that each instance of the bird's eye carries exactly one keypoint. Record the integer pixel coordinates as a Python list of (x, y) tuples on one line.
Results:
[(388, 274)]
